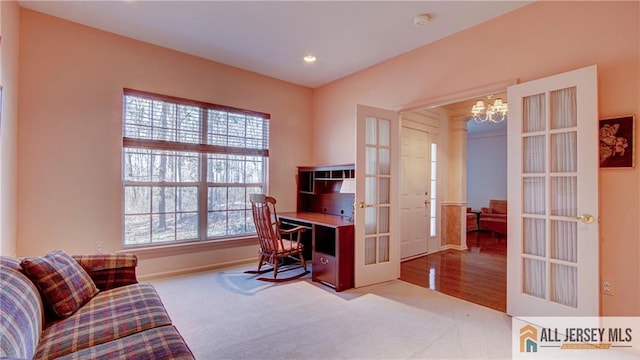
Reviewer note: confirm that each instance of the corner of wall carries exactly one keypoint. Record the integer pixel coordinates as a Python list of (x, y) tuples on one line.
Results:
[(9, 32)]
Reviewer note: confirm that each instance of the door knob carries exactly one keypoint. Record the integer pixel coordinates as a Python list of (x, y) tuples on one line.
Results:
[(586, 218), (363, 205)]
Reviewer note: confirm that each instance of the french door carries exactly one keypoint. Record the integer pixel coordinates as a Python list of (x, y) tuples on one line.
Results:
[(552, 254), (377, 248)]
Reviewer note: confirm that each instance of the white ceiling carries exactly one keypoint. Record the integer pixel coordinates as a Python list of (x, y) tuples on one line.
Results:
[(271, 37)]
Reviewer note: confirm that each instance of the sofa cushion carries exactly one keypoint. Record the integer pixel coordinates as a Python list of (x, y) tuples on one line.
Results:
[(21, 312), (159, 343), (109, 271), (63, 283), (110, 315)]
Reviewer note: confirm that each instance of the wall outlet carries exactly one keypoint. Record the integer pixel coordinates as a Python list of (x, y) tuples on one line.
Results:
[(607, 287), (99, 247)]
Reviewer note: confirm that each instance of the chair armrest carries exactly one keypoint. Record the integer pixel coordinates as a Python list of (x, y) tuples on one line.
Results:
[(296, 230), (292, 230), (109, 271)]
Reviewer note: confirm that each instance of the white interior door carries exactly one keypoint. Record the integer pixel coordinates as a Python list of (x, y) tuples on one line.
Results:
[(418, 202), (552, 254), (377, 247)]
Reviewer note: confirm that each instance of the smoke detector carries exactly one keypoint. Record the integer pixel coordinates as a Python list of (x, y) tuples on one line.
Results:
[(421, 19)]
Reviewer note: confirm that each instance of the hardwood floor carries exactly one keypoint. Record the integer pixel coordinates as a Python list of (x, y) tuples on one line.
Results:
[(478, 275)]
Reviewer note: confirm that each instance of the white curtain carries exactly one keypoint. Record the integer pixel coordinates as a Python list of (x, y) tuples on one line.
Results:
[(564, 285), (533, 236), (564, 200), (534, 154), (564, 108), (564, 239), (560, 283), (564, 153), (370, 220), (534, 195), (377, 189), (370, 250), (535, 279), (383, 245), (533, 187), (534, 113)]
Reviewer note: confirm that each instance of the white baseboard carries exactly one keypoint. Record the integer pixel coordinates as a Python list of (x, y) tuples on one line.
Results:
[(415, 256), (191, 270), (454, 247)]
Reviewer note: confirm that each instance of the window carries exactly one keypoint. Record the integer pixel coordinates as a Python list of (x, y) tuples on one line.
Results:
[(188, 169), (434, 196)]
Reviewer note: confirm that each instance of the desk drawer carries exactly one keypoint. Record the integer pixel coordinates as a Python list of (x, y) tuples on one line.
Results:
[(324, 268)]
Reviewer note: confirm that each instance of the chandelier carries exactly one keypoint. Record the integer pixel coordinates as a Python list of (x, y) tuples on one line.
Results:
[(491, 113)]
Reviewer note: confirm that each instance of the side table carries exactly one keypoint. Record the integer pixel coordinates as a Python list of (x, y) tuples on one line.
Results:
[(477, 212)]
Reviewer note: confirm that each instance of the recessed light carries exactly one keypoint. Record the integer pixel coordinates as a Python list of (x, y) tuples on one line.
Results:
[(309, 58), (421, 19)]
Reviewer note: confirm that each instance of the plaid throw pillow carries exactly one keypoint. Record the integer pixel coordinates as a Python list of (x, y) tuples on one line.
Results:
[(63, 283)]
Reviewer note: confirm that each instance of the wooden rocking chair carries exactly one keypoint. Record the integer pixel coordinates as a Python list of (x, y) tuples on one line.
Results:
[(273, 248)]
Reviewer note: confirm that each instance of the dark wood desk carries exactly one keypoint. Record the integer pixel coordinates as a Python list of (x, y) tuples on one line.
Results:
[(332, 247)]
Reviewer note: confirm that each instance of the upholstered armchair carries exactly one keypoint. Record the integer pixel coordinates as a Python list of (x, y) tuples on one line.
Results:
[(494, 217)]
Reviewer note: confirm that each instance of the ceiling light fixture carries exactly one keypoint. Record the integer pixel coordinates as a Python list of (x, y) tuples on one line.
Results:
[(309, 58), (421, 19), (491, 113)]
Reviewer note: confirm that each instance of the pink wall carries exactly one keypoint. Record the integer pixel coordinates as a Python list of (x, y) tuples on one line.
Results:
[(9, 24), (70, 133), (538, 40)]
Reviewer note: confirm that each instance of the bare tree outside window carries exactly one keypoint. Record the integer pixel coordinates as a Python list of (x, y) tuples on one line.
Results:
[(176, 152)]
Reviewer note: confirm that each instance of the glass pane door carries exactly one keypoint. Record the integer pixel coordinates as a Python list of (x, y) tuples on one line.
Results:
[(377, 241), (552, 263), (550, 196), (377, 180)]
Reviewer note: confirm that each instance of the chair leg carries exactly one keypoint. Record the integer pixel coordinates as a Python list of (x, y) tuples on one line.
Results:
[(304, 264), (275, 267), (260, 261)]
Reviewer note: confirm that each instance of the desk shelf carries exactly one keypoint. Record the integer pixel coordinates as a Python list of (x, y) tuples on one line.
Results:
[(319, 189)]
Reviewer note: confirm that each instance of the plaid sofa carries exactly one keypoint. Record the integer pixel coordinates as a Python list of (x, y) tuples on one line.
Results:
[(125, 320)]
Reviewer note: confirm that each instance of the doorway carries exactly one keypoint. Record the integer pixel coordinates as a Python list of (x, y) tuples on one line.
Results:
[(546, 211), (552, 263), (419, 205), (475, 270)]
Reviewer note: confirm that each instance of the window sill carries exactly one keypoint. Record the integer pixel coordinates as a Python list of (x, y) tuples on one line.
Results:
[(187, 248)]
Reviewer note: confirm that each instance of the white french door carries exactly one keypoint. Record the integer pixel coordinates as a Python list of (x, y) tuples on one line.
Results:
[(418, 199), (377, 248), (552, 254)]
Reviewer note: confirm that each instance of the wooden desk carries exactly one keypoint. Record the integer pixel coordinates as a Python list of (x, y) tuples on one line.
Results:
[(332, 248)]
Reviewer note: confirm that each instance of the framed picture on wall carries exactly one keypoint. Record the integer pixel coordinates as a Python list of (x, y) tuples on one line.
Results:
[(617, 142)]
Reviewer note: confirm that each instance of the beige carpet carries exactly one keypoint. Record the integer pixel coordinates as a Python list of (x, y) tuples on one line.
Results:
[(227, 314)]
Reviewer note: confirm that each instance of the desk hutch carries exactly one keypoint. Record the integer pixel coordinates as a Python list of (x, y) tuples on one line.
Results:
[(323, 209)]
